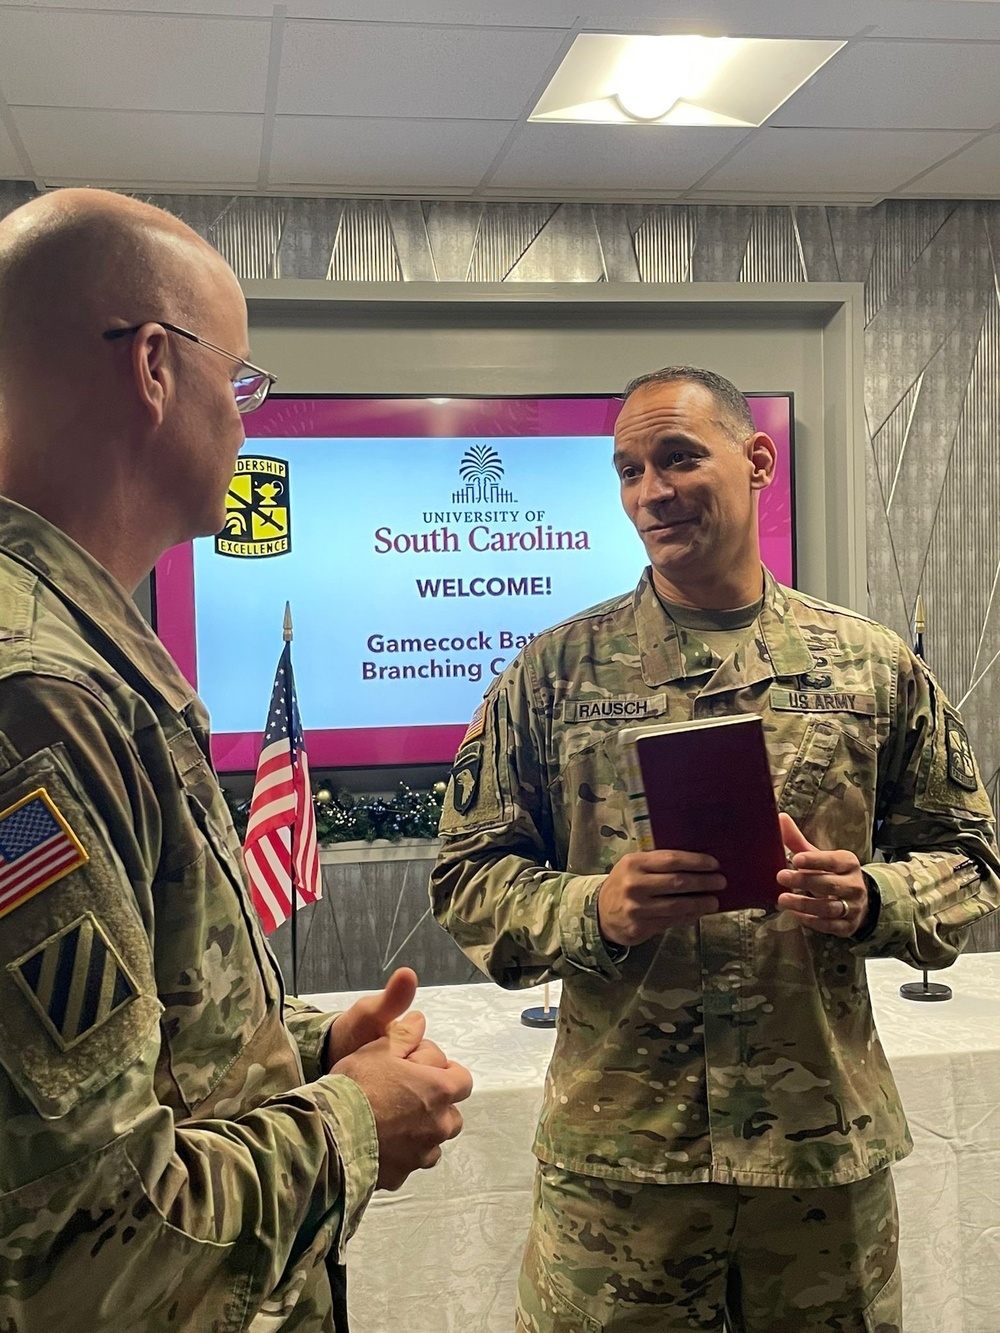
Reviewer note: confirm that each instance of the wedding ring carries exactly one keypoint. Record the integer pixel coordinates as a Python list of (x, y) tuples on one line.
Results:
[(846, 906)]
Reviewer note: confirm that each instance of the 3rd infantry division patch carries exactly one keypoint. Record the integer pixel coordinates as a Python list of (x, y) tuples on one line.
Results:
[(75, 980)]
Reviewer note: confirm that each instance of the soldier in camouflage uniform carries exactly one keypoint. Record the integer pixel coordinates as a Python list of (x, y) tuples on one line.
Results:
[(181, 1147), (718, 1115)]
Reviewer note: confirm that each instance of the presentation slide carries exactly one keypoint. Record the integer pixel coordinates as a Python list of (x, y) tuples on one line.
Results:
[(420, 544)]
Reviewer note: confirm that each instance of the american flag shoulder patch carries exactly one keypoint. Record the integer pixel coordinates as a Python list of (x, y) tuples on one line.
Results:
[(477, 726), (37, 847), (75, 980)]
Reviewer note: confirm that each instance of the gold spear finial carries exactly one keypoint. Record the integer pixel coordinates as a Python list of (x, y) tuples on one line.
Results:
[(287, 628)]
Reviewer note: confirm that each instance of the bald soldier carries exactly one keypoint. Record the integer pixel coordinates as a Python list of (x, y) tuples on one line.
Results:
[(182, 1148), (719, 1117)]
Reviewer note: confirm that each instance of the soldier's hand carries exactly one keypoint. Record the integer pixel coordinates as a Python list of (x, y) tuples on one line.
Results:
[(370, 1018), (646, 893), (825, 891), (413, 1097)]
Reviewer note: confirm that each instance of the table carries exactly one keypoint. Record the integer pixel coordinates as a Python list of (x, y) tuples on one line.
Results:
[(442, 1254)]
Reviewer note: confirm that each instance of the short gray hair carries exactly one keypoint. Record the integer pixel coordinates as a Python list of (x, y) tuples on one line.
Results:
[(728, 398)]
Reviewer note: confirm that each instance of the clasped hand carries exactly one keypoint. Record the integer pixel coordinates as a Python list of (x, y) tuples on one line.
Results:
[(645, 893), (410, 1083)]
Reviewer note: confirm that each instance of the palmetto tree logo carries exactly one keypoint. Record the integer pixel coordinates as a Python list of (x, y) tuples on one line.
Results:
[(482, 470)]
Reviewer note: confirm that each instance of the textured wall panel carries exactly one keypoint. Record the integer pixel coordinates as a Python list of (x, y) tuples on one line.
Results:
[(413, 246), (248, 234), (614, 232), (944, 294), (963, 564), (905, 236), (926, 462), (453, 230), (364, 250), (308, 237), (567, 249), (890, 441), (855, 233), (819, 257), (774, 252), (721, 242), (505, 233), (664, 244)]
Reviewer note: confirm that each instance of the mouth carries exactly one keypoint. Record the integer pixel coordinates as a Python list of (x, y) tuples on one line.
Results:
[(666, 529)]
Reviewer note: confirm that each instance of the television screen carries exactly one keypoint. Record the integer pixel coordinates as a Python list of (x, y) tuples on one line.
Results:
[(420, 543)]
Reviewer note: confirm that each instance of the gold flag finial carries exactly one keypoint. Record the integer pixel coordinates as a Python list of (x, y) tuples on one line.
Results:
[(287, 627), (919, 623)]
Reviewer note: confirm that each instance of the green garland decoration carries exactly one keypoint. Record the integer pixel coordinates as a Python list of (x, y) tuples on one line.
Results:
[(343, 816)]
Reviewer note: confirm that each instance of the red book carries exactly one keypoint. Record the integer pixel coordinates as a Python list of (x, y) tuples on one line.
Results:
[(705, 786)]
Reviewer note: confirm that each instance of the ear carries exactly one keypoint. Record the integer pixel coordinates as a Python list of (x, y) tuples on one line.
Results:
[(763, 456), (151, 372)]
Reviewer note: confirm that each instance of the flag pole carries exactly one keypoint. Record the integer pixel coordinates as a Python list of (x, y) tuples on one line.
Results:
[(926, 989), (286, 634)]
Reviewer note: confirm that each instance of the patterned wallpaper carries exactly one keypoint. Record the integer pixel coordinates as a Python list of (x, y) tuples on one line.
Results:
[(932, 355)]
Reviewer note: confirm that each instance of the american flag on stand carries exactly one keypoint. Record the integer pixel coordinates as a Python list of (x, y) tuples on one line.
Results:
[(280, 850)]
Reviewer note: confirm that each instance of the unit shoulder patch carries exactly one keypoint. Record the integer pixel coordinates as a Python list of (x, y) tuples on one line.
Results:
[(37, 848), (75, 980), (465, 778), (961, 765)]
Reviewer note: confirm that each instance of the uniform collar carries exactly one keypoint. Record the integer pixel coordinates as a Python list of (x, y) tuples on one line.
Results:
[(86, 586), (777, 649)]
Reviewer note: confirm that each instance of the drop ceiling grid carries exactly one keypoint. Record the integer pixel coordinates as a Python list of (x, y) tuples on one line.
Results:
[(172, 94)]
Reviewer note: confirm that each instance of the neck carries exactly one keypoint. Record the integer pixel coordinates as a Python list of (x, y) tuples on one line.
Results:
[(735, 589), (105, 518)]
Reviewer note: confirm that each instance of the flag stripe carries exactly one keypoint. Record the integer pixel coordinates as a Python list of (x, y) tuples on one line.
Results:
[(268, 905), (31, 870), (280, 850)]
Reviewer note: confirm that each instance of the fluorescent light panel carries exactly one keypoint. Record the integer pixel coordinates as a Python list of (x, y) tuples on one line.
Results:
[(608, 79)]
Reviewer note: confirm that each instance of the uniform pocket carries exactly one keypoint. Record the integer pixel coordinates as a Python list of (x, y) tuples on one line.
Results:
[(543, 1301), (830, 787), (885, 1313)]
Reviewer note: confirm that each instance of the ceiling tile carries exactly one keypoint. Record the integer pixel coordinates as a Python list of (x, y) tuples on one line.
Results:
[(118, 147), (971, 19), (831, 161), (975, 173), (496, 13), (132, 62), (901, 85), (655, 158), (374, 69), (231, 8), (383, 155)]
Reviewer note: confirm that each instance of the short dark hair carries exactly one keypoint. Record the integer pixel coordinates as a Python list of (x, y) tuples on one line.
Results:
[(733, 403)]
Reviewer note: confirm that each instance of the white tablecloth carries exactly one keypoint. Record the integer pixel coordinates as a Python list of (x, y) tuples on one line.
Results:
[(442, 1254)]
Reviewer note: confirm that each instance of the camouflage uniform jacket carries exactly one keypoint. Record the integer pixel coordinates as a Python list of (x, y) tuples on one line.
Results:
[(161, 1165), (743, 1051)]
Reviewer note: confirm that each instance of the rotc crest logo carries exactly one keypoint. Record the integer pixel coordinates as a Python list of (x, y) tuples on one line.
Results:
[(258, 510)]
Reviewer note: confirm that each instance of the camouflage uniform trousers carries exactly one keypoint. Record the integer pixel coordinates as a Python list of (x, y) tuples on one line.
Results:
[(624, 1257)]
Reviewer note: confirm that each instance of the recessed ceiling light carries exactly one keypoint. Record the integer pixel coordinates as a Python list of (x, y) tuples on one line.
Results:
[(681, 80)]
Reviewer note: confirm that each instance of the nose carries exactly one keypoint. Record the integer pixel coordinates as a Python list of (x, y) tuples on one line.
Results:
[(656, 487)]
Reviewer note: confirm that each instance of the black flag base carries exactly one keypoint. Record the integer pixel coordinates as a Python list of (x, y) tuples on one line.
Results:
[(538, 1017), (926, 990)]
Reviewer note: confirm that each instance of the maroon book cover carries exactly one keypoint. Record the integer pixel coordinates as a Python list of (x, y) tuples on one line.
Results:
[(705, 786)]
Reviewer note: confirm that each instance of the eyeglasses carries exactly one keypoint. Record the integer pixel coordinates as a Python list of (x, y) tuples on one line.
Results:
[(251, 384)]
